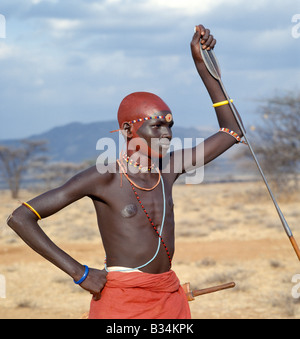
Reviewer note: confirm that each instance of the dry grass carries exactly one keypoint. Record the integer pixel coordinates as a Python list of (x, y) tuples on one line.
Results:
[(225, 232)]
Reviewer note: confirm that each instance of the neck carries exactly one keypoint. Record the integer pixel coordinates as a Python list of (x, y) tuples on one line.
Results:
[(139, 161)]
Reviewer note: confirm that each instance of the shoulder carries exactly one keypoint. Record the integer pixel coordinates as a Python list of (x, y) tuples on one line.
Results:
[(93, 177)]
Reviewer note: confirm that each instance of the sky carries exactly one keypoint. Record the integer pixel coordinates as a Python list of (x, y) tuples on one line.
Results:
[(63, 61)]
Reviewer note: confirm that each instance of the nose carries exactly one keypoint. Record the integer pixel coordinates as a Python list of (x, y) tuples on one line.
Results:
[(166, 133)]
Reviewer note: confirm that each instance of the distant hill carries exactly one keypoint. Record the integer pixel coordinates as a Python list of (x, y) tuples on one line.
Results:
[(76, 142)]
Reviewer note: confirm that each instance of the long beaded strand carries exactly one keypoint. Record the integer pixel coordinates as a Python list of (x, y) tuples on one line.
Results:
[(152, 224)]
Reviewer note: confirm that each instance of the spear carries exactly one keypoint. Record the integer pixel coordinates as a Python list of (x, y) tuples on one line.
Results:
[(213, 67)]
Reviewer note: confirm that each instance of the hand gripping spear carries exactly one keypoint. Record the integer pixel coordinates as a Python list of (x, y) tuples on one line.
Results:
[(212, 65)]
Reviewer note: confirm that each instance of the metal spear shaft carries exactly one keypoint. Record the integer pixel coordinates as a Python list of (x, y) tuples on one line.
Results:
[(212, 65)]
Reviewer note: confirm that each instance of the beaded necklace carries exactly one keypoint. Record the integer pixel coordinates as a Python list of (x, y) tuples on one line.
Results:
[(137, 164), (136, 185)]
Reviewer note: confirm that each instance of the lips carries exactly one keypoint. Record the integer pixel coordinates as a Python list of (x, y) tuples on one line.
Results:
[(164, 143)]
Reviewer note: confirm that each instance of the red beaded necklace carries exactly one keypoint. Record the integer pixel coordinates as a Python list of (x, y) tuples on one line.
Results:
[(133, 185), (152, 223)]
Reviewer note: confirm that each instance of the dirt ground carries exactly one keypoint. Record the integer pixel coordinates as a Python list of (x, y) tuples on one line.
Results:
[(225, 232)]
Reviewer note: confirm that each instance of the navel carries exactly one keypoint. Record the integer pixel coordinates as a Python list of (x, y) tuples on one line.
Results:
[(129, 211)]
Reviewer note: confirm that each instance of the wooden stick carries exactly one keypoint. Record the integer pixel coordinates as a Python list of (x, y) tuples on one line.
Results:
[(295, 246), (196, 293)]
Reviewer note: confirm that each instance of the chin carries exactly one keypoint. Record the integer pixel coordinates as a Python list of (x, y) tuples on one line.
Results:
[(159, 155)]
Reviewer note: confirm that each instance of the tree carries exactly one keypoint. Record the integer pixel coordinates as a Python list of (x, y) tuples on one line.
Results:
[(276, 141), (16, 162), (56, 174)]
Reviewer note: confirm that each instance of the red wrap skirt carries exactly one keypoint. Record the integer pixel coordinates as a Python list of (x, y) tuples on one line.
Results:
[(138, 295)]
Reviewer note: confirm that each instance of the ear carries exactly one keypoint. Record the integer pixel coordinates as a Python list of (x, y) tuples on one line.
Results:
[(126, 130)]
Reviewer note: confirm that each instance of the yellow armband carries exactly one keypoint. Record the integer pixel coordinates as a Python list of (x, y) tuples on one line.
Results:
[(222, 103), (32, 210)]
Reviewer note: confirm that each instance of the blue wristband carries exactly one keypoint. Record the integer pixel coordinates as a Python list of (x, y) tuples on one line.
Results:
[(83, 277)]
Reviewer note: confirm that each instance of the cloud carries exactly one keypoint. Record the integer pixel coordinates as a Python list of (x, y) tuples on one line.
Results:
[(192, 8), (6, 52), (63, 24), (68, 61)]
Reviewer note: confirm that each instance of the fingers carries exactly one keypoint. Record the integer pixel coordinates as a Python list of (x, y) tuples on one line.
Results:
[(209, 43), (200, 29), (203, 36), (95, 283), (96, 296)]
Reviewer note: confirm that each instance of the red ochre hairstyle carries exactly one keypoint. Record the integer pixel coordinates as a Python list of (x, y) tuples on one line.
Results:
[(140, 105)]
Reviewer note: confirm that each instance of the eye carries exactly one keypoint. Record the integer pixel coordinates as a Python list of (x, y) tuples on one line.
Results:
[(157, 125)]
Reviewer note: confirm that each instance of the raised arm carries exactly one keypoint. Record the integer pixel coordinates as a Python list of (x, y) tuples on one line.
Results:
[(24, 221), (219, 142)]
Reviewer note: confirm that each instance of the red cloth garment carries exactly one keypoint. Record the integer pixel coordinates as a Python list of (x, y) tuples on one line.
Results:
[(141, 296)]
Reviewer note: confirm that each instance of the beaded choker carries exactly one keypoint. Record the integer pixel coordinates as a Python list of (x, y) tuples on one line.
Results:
[(133, 183), (136, 164)]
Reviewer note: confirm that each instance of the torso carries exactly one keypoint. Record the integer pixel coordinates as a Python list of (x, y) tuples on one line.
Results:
[(128, 237)]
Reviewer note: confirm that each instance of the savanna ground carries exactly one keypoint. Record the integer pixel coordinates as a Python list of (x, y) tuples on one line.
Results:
[(225, 232)]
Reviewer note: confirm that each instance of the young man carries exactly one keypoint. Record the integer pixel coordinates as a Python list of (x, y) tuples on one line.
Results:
[(134, 208)]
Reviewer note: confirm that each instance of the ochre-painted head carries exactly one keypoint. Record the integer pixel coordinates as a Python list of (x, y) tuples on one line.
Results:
[(134, 114), (141, 105)]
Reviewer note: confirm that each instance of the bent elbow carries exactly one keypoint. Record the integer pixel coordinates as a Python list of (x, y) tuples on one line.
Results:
[(15, 220), (12, 222)]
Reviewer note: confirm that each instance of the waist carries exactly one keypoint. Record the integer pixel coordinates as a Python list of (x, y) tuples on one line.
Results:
[(122, 269), (162, 282)]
